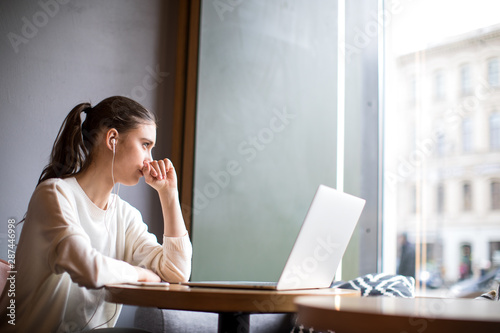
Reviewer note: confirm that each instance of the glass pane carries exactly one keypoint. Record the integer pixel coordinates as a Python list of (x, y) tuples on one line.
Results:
[(467, 135), (265, 131), (439, 88), (465, 79), (493, 72), (495, 131), (442, 136)]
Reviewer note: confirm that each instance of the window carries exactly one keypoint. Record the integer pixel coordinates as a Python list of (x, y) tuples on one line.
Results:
[(413, 90), (251, 125), (465, 80), (267, 110), (494, 255), (440, 199), (439, 86), (465, 262), (493, 73), (495, 195), (467, 196), (467, 137), (494, 131), (441, 144), (413, 197), (462, 170)]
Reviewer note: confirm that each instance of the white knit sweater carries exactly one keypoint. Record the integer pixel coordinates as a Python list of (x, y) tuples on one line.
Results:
[(69, 247)]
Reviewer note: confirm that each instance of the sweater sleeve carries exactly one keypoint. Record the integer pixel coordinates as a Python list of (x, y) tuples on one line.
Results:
[(70, 248), (171, 261), (88, 267)]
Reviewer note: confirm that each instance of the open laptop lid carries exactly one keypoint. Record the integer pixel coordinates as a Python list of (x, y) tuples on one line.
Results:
[(322, 240), (318, 249)]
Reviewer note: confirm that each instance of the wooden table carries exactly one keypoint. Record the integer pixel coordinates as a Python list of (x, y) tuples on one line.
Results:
[(233, 305), (386, 315)]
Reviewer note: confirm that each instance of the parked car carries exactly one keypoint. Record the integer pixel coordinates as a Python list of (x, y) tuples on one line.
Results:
[(475, 287)]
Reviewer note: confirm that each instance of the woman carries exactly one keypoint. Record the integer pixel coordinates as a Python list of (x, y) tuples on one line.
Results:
[(78, 236)]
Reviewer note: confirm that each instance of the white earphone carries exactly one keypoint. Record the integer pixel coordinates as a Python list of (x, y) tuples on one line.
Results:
[(111, 204)]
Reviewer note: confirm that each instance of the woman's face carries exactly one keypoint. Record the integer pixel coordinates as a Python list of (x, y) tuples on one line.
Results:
[(132, 149)]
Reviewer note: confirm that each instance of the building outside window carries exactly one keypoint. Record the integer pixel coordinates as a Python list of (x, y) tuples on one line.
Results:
[(457, 137)]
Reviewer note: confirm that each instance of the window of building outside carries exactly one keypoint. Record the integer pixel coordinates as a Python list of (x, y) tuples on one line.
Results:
[(441, 70), (493, 72), (467, 135), (495, 195), (439, 88), (467, 196), (495, 131), (440, 199), (413, 199), (413, 91), (465, 79), (440, 144)]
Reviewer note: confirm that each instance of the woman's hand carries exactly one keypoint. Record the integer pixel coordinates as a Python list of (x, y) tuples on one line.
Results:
[(160, 175), (146, 275)]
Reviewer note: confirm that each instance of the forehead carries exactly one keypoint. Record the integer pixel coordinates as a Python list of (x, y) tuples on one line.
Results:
[(144, 131)]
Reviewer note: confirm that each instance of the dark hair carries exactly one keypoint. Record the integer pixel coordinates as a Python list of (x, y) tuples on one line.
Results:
[(75, 142)]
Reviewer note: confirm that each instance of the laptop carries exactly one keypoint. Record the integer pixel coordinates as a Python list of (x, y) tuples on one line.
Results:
[(318, 248)]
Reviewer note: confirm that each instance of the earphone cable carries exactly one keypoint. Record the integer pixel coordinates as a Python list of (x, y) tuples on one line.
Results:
[(111, 205)]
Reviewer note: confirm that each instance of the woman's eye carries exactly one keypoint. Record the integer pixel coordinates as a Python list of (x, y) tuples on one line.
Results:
[(146, 144)]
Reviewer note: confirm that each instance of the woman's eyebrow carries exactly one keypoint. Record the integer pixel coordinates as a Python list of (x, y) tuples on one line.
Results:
[(149, 140)]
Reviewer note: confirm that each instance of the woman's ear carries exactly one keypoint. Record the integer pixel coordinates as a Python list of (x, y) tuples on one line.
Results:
[(112, 139)]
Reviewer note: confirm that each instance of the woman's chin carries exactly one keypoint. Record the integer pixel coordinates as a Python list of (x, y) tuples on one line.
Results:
[(131, 181)]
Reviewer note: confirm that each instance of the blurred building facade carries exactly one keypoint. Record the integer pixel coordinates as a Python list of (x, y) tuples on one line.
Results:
[(447, 174)]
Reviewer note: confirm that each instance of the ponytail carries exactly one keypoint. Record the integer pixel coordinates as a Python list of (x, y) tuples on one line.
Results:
[(69, 151), (72, 150)]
